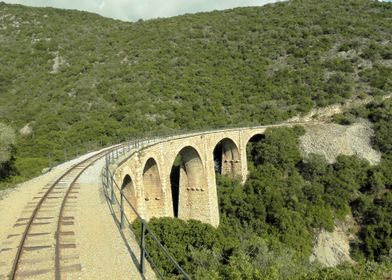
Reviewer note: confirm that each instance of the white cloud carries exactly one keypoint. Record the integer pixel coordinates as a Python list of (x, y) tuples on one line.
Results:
[(135, 9)]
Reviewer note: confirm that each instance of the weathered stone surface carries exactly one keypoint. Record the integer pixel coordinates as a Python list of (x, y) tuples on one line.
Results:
[(145, 174)]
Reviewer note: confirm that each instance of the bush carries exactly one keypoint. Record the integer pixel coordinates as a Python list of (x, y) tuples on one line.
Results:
[(344, 119), (7, 152)]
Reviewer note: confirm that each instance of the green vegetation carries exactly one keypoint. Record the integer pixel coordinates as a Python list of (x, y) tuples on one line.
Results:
[(80, 81), (7, 152), (373, 209), (78, 78), (268, 224)]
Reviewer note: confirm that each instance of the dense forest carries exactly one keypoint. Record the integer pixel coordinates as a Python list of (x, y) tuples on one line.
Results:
[(71, 81), (268, 224)]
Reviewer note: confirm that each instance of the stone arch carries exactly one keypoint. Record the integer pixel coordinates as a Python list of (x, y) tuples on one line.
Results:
[(152, 190), (227, 159), (129, 192), (253, 139), (189, 189)]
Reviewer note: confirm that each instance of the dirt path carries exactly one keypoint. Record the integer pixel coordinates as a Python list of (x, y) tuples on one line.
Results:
[(102, 250), (324, 114), (100, 247)]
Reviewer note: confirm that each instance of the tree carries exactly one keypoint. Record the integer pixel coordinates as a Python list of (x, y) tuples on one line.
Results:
[(279, 148), (7, 151)]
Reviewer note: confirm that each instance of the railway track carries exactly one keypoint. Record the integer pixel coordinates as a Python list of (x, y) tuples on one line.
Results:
[(42, 244)]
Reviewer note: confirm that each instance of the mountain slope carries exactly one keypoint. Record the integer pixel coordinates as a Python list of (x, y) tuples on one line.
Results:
[(77, 77)]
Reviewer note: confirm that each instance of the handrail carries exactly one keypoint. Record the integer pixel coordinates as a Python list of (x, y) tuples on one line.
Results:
[(110, 185)]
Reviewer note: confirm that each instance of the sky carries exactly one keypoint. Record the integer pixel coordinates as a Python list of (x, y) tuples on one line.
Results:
[(132, 10)]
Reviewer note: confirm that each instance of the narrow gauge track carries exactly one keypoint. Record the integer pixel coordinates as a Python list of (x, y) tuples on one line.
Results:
[(40, 253)]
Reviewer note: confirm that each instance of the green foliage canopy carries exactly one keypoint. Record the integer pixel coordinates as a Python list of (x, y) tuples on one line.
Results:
[(7, 151)]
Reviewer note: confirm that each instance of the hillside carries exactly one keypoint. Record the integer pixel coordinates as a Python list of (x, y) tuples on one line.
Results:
[(296, 217), (75, 77)]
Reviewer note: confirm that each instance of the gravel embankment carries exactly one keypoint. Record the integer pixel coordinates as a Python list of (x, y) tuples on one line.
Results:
[(100, 246), (102, 250), (331, 140)]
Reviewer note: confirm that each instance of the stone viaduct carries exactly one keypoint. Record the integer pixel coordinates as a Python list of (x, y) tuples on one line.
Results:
[(175, 176)]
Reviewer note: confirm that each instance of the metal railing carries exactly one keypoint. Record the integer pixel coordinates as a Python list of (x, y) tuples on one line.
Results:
[(116, 197)]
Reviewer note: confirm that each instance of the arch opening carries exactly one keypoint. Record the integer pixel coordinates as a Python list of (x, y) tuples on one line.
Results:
[(250, 151), (175, 183), (227, 158), (188, 184), (129, 192), (153, 194)]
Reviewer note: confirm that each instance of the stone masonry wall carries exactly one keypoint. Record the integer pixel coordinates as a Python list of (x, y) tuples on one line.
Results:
[(150, 168)]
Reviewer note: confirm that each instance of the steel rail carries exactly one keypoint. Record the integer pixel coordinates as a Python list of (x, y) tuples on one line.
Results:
[(18, 256), (57, 249)]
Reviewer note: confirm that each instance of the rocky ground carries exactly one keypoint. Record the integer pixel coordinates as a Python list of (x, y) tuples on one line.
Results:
[(102, 249), (333, 248), (331, 140)]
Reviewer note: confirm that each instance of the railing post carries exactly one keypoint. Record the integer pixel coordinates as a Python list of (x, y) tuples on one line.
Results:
[(107, 173), (122, 209), (50, 160), (111, 189), (142, 247)]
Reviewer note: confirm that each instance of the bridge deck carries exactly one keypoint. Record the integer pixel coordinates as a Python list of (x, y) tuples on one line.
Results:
[(101, 251)]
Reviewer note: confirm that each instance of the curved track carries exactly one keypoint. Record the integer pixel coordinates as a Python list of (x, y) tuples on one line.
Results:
[(47, 246)]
